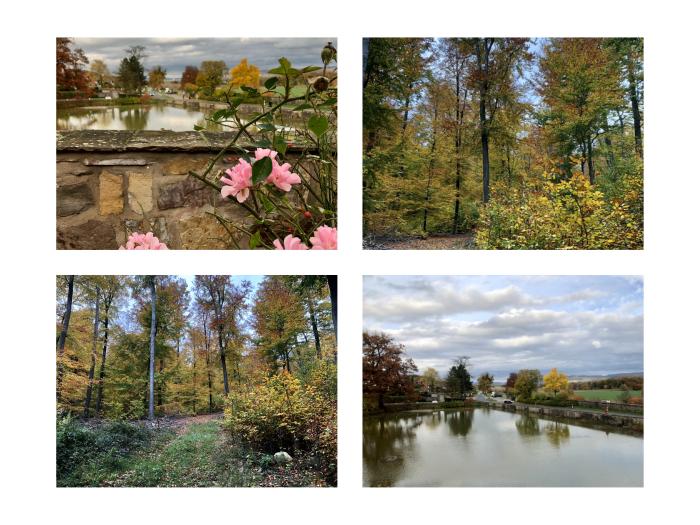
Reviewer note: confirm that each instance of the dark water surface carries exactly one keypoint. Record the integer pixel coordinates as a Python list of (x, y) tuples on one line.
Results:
[(483, 447)]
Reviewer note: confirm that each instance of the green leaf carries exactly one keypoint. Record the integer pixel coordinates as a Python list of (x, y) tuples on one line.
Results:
[(329, 102), (222, 114), (261, 169), (267, 204), (318, 124), (309, 69), (255, 240), (283, 68), (265, 127), (250, 90), (280, 145), (271, 82), (263, 143), (198, 128)]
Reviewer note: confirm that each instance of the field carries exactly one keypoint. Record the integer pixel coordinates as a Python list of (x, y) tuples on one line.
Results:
[(603, 395)]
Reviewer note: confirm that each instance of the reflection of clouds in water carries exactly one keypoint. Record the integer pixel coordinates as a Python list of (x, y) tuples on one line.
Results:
[(132, 118)]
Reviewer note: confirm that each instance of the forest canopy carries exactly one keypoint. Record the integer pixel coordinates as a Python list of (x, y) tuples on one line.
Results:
[(504, 143), (258, 354)]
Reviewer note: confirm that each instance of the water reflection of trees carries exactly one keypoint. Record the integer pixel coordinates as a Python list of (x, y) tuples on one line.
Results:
[(460, 423), (528, 425), (134, 119), (385, 442), (557, 433)]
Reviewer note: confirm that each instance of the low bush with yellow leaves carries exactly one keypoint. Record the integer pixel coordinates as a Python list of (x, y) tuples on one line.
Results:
[(282, 413), (550, 214)]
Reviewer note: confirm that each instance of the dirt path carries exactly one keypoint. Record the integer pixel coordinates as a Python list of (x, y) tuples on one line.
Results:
[(459, 241)]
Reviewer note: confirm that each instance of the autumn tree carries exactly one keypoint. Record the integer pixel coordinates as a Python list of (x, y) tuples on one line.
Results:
[(555, 381), (279, 322), (61, 339), (70, 62), (244, 74), (210, 76), (485, 383), (526, 384), (385, 369), (99, 72), (431, 378), (579, 87), (93, 355), (156, 77), (189, 76)]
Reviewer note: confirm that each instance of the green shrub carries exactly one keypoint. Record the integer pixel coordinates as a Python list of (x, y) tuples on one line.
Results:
[(281, 413)]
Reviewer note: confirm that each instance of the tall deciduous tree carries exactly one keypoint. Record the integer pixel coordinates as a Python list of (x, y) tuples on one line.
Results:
[(189, 76), (93, 354), (385, 370), (151, 279), (61, 341), (70, 62)]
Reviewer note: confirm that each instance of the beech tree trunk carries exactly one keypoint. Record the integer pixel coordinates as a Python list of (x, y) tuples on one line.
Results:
[(100, 384), (93, 355), (152, 350), (61, 343)]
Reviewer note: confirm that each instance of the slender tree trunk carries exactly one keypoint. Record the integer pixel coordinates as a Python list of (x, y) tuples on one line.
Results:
[(61, 344), (333, 290), (431, 168), (589, 158), (222, 354), (483, 59), (100, 384), (208, 363), (458, 152), (93, 355), (314, 326), (634, 99), (152, 350)]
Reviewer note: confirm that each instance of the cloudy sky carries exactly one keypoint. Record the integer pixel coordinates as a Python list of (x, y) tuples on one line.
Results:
[(582, 325), (176, 53)]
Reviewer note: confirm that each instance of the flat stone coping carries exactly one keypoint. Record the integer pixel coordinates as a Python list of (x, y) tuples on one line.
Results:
[(141, 141)]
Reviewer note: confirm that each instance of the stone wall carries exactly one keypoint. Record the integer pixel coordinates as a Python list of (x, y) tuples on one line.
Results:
[(111, 183)]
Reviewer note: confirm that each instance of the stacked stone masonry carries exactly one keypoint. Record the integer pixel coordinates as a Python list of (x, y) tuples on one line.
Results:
[(112, 183)]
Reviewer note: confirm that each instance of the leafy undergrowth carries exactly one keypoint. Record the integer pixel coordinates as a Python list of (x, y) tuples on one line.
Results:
[(196, 454)]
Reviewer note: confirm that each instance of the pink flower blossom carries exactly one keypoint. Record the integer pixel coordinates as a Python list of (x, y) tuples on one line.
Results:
[(282, 177), (325, 238), (143, 241), (261, 153), (290, 243), (239, 181)]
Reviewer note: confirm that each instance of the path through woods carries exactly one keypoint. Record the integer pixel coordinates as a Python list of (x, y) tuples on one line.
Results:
[(458, 241)]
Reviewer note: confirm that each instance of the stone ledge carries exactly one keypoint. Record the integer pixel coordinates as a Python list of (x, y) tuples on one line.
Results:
[(157, 141)]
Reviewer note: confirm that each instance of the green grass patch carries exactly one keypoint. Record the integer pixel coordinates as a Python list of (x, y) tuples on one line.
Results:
[(604, 395), (202, 455)]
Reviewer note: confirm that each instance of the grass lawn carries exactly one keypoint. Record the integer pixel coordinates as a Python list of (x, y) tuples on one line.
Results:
[(604, 395)]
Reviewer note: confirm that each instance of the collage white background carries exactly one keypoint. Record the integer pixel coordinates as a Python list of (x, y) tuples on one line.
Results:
[(669, 263)]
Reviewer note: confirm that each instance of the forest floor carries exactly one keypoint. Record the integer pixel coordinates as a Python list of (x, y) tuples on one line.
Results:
[(175, 452), (458, 241)]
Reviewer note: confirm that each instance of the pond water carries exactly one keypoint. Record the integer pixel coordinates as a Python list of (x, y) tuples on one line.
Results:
[(153, 117), (483, 447)]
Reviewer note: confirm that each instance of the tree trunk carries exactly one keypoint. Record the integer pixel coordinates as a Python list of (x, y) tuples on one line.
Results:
[(589, 158), (100, 384), (61, 344), (152, 350), (208, 363), (458, 160), (333, 289), (93, 355), (634, 98), (222, 354), (314, 326)]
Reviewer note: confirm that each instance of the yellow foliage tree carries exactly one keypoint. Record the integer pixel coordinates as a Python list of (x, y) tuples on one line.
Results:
[(555, 381), (245, 74)]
